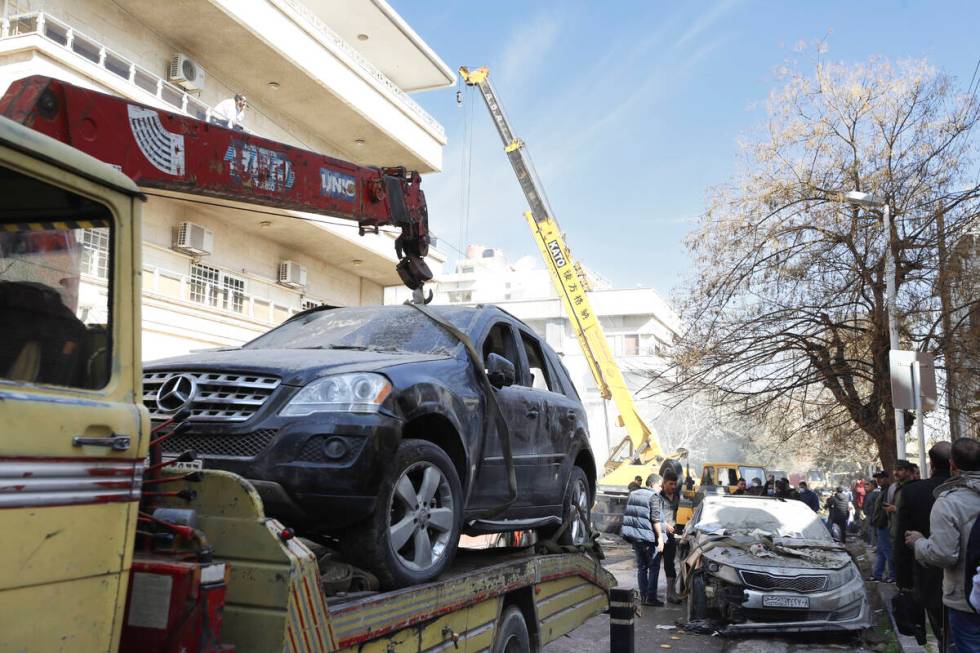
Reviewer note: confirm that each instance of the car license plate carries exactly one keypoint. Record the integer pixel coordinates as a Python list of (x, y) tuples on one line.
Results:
[(770, 601), (191, 466)]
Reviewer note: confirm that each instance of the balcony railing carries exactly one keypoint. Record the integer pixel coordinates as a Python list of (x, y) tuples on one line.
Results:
[(334, 41), (67, 37), (169, 285)]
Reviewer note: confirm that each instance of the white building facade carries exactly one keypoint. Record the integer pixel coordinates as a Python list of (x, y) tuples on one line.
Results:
[(330, 76), (639, 324)]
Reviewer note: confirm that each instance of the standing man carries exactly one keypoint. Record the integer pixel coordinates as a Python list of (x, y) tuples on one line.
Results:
[(953, 516), (670, 500), (809, 497), (914, 507), (643, 528), (903, 475), (870, 499), (839, 507), (884, 566)]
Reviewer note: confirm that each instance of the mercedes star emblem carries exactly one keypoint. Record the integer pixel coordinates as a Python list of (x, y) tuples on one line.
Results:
[(176, 392)]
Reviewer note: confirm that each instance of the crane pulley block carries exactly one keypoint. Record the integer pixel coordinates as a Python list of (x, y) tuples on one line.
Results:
[(171, 151)]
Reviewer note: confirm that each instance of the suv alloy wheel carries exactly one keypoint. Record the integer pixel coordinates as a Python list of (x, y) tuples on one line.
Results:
[(413, 534)]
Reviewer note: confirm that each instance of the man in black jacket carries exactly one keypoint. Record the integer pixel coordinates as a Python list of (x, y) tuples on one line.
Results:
[(912, 514)]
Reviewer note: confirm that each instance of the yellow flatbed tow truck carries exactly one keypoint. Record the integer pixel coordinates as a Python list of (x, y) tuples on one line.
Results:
[(211, 573)]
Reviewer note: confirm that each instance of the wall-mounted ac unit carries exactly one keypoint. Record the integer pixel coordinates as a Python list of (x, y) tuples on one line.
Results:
[(292, 274), (193, 239), (186, 72)]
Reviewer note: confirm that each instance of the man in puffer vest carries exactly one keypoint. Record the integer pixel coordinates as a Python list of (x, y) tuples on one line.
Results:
[(643, 528)]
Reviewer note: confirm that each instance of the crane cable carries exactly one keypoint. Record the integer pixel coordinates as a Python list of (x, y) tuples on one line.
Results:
[(465, 169)]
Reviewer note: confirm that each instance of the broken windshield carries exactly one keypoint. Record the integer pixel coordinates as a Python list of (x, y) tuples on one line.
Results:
[(783, 518), (391, 328)]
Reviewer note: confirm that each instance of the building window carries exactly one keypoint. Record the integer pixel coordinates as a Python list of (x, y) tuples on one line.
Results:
[(310, 303), (204, 284), (212, 287), (234, 287), (461, 296), (95, 252), (631, 345)]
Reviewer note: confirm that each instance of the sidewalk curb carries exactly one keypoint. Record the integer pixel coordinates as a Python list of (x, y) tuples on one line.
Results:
[(906, 643)]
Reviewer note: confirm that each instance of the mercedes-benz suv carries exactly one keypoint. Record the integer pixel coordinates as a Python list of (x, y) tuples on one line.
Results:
[(376, 425)]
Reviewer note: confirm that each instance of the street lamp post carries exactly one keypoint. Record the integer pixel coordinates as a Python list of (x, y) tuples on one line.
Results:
[(867, 199)]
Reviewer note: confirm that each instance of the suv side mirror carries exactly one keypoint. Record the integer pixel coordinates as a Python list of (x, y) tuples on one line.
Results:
[(500, 371)]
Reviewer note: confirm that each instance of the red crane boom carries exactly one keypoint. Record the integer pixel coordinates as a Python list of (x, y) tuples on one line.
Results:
[(170, 151)]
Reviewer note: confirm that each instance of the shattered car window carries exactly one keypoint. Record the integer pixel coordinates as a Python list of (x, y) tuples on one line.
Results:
[(390, 328), (773, 517)]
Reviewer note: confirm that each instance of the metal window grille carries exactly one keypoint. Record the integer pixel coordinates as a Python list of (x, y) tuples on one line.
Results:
[(95, 252), (310, 303), (204, 284)]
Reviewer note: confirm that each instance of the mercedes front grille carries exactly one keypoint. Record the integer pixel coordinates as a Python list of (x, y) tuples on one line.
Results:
[(211, 396)]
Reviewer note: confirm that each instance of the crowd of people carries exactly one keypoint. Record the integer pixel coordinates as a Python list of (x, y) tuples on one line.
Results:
[(924, 533)]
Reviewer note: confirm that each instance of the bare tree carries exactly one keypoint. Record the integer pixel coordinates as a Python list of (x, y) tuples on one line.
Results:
[(787, 310)]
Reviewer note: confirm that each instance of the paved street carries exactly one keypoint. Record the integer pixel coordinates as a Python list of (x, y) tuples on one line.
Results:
[(659, 628)]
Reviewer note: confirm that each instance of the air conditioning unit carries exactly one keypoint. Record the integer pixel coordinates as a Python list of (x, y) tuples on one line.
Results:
[(193, 239), (186, 72), (292, 274)]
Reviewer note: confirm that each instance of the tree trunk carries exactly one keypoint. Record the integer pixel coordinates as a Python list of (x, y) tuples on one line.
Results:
[(945, 307)]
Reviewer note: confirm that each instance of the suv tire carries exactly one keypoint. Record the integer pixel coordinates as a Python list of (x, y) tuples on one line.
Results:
[(412, 536), (577, 497)]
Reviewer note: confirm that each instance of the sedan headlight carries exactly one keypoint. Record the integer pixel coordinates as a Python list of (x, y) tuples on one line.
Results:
[(347, 393)]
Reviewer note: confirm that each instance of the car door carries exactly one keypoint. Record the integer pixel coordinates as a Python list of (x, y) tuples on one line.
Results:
[(71, 429), (560, 415), (521, 411)]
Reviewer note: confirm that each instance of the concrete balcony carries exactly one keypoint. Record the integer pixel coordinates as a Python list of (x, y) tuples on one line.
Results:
[(306, 84), (284, 56)]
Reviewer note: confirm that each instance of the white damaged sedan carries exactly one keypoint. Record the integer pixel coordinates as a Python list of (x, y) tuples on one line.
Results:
[(761, 564)]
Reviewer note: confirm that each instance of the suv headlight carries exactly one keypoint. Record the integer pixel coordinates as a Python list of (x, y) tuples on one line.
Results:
[(348, 393)]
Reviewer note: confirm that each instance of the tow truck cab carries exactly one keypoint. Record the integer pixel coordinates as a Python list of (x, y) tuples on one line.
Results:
[(73, 430)]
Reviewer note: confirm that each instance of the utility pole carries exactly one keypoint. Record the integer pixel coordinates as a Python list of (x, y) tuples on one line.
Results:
[(868, 200)]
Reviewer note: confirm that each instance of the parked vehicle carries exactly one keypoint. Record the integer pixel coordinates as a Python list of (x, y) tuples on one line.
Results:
[(371, 424), (761, 564)]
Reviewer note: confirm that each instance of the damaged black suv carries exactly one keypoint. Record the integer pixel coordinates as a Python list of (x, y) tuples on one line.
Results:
[(377, 426)]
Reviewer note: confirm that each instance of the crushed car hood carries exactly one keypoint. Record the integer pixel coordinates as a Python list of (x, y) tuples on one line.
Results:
[(752, 551), (295, 366)]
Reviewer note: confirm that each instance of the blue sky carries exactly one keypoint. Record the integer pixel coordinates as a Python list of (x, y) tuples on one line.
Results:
[(632, 110)]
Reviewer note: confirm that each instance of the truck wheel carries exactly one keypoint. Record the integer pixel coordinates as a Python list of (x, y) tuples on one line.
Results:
[(512, 635), (413, 534)]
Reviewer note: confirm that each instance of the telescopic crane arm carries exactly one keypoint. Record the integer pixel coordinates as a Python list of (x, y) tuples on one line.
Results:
[(568, 277), (171, 151)]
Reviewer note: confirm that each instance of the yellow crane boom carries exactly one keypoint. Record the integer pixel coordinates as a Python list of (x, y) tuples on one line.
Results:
[(570, 282)]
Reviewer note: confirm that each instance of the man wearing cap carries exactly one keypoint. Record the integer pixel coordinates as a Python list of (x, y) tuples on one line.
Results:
[(879, 522)]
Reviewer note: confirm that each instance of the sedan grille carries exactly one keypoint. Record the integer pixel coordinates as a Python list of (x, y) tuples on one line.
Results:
[(216, 396), (247, 445), (764, 581)]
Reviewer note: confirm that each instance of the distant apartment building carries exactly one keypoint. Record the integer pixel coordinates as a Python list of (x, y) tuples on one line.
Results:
[(963, 357), (639, 324), (333, 76)]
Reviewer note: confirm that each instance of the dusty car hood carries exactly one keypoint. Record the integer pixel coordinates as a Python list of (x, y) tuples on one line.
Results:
[(294, 366), (792, 553)]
